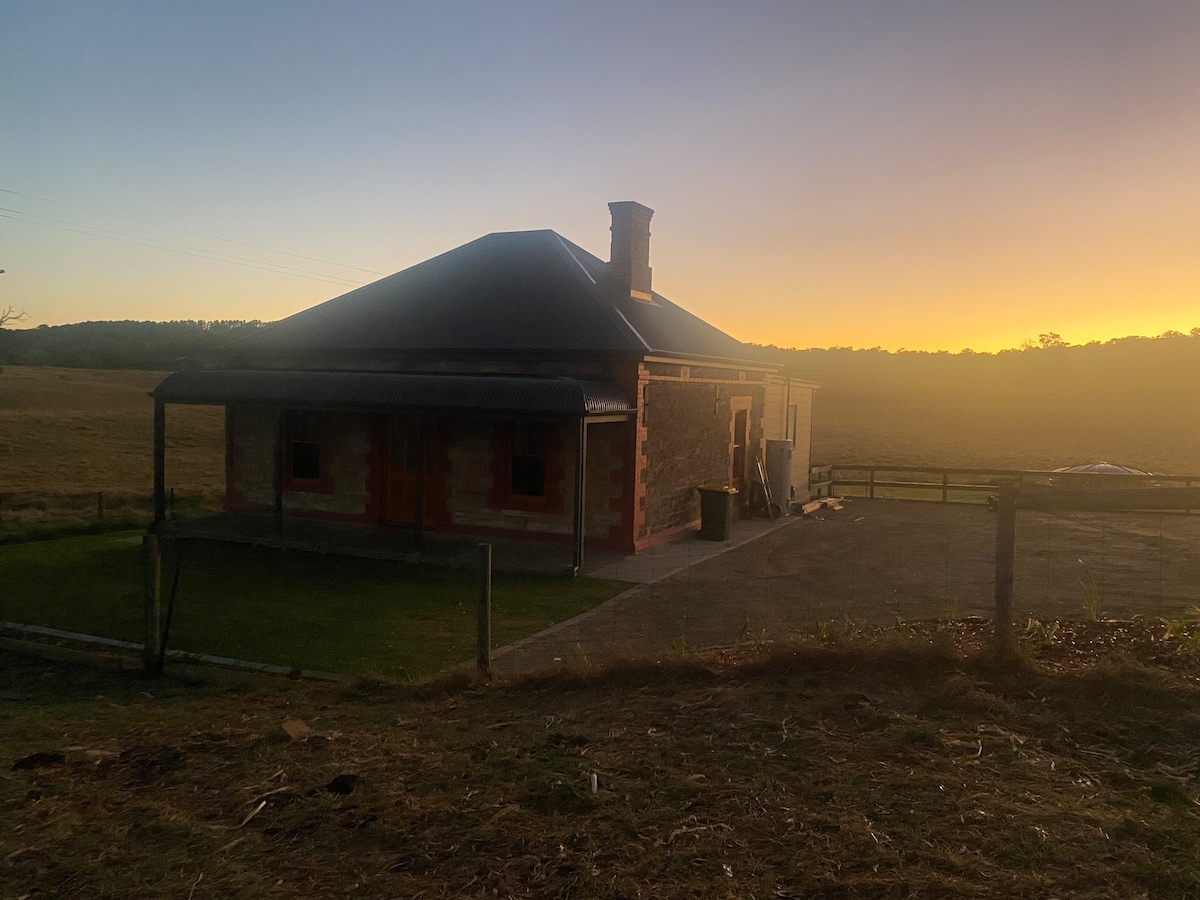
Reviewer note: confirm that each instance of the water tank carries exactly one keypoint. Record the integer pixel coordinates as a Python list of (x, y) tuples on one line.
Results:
[(779, 473)]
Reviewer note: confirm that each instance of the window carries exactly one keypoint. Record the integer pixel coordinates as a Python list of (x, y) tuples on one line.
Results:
[(304, 464), (306, 460), (527, 466), (527, 476), (741, 437), (791, 424)]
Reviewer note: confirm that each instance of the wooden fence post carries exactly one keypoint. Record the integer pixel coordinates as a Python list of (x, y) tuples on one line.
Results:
[(871, 484), (160, 461), (946, 486), (152, 633), (1006, 543), (484, 631)]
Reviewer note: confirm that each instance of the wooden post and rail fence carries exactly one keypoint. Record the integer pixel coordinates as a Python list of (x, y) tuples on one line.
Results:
[(1010, 490), (964, 485)]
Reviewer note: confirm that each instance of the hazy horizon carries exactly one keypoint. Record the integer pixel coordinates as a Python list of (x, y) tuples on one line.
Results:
[(928, 174)]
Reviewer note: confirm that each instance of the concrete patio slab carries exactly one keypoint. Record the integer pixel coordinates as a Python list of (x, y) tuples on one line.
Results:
[(666, 560), (376, 542)]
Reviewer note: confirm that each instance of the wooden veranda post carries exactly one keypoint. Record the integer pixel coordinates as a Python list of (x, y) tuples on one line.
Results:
[(1006, 543), (280, 437), (419, 498), (152, 624), (580, 497), (160, 460), (483, 636)]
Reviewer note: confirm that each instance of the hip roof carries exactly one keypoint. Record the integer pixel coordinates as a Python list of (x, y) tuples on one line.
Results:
[(522, 291)]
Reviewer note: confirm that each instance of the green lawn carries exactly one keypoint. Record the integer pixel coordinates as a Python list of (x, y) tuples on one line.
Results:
[(336, 613)]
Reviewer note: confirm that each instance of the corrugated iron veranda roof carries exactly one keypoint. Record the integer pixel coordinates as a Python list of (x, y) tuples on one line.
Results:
[(518, 394)]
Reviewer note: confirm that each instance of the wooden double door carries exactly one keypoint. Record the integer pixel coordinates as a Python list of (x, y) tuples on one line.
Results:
[(412, 449)]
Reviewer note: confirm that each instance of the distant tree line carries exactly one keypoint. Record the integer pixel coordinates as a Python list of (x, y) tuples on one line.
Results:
[(1133, 400), (1148, 370), (1042, 370), (160, 346)]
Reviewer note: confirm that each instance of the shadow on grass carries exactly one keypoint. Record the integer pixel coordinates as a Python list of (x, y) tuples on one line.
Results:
[(305, 610)]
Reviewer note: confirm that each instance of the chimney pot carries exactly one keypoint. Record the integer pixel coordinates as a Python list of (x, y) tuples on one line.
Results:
[(629, 258)]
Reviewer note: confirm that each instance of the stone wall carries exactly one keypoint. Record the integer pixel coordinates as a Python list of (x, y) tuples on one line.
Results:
[(608, 501), (687, 442), (477, 477), (466, 459), (775, 407), (346, 447), (250, 458), (474, 482), (802, 398)]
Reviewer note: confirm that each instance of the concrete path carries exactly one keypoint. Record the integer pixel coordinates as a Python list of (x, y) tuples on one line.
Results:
[(630, 625), (662, 562)]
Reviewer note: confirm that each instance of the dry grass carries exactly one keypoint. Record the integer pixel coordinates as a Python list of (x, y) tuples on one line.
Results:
[(889, 764), (869, 427), (66, 434), (78, 431)]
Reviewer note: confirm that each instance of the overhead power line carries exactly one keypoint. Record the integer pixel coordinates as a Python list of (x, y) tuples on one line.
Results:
[(213, 237), (136, 240)]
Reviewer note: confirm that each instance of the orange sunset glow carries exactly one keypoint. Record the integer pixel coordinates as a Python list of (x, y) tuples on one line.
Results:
[(926, 175)]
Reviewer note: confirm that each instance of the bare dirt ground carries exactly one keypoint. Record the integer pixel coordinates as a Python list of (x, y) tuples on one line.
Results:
[(897, 764), (879, 561)]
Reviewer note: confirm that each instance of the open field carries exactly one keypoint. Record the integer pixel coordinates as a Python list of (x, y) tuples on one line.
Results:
[(857, 428), (304, 610), (87, 430), (897, 764), (66, 434), (1134, 401)]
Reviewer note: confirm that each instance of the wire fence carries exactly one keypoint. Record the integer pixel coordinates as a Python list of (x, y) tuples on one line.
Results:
[(36, 510), (868, 563), (879, 562)]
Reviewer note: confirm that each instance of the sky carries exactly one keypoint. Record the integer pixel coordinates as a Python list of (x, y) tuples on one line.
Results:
[(919, 174)]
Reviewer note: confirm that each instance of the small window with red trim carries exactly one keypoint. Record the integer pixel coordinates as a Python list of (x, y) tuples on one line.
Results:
[(527, 472), (306, 466)]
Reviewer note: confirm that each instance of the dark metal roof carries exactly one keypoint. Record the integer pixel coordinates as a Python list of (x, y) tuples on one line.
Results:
[(521, 291), (531, 395)]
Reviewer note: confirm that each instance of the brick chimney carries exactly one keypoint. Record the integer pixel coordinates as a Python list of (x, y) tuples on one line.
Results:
[(629, 258)]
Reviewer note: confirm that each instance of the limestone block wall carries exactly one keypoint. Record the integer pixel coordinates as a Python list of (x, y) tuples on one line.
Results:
[(474, 481), (775, 404), (685, 442), (249, 458), (346, 448), (477, 478), (802, 398)]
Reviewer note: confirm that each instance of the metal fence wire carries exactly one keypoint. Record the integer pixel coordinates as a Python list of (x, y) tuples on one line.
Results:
[(879, 562)]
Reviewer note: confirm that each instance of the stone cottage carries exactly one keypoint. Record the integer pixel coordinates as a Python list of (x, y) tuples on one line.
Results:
[(515, 386)]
